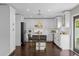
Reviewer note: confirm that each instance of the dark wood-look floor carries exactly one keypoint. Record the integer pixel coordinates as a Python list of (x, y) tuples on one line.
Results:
[(51, 50)]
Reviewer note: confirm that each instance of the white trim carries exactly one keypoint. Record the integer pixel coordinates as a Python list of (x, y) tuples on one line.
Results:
[(72, 29)]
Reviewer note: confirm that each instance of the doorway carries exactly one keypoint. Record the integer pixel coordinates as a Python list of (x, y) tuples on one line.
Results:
[(23, 33), (76, 34)]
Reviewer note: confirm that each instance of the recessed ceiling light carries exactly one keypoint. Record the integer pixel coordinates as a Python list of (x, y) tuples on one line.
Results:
[(28, 9)]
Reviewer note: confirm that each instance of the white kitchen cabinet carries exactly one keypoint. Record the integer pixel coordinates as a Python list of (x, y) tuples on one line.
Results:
[(67, 19), (64, 41), (63, 26), (57, 39), (59, 21), (64, 20)]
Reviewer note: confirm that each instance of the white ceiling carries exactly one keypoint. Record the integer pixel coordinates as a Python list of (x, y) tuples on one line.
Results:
[(47, 10)]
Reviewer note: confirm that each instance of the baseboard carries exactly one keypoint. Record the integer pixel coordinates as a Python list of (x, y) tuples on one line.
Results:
[(12, 54), (56, 45)]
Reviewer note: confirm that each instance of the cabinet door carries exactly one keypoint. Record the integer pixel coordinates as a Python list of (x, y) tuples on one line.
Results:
[(59, 22), (65, 41), (66, 18)]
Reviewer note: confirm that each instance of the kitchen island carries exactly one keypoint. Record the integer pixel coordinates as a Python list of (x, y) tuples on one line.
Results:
[(38, 42)]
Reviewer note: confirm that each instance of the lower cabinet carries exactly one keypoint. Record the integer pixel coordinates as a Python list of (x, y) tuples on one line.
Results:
[(62, 41), (57, 39)]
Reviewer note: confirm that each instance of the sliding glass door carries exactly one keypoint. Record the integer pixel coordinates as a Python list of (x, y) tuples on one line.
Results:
[(76, 33)]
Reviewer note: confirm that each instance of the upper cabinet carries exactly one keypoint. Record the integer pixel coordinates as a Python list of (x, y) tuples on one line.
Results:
[(59, 21), (67, 19), (63, 20)]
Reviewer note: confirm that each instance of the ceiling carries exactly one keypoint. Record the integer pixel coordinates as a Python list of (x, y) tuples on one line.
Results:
[(41, 10)]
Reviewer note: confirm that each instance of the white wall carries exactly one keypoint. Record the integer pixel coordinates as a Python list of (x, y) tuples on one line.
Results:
[(4, 30), (7, 43), (19, 19), (74, 12), (18, 30), (48, 25)]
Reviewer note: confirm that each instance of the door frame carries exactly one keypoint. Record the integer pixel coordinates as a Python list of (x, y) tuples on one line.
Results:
[(75, 17), (22, 33)]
